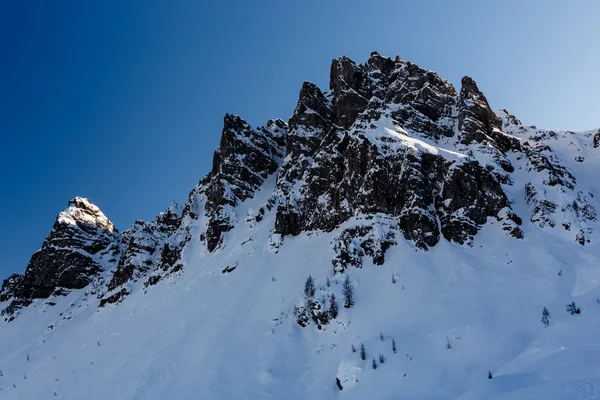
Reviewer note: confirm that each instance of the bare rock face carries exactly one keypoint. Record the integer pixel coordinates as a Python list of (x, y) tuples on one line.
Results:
[(12, 287), (244, 159), (370, 236), (81, 246), (143, 246), (359, 168), (390, 151)]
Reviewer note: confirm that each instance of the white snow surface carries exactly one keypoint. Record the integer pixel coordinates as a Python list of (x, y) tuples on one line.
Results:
[(455, 313)]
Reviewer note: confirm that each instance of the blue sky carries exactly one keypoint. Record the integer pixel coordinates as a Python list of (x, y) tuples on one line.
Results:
[(122, 102)]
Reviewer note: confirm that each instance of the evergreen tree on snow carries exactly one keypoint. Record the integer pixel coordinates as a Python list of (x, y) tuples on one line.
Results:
[(333, 307), (374, 363), (573, 309), (546, 317), (363, 353), (309, 288), (348, 293), (394, 346)]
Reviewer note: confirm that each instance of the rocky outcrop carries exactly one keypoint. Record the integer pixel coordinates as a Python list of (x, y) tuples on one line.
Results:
[(390, 150), (364, 166), (244, 159), (370, 235), (82, 245)]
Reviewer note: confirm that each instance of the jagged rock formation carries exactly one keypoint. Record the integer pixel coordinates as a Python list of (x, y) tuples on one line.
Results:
[(390, 151), (143, 246), (244, 159), (81, 246), (358, 167)]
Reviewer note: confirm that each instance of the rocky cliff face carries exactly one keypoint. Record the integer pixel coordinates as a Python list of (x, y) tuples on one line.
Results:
[(389, 152), (361, 160), (81, 247)]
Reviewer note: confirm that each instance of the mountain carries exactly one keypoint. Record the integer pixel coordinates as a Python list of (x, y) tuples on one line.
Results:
[(391, 211)]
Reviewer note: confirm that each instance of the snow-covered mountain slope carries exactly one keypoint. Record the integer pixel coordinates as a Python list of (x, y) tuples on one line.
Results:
[(452, 226)]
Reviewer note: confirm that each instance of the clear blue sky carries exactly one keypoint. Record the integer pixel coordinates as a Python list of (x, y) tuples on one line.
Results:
[(122, 101)]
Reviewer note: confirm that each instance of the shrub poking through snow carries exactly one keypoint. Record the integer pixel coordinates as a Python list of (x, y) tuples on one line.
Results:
[(374, 363), (394, 346), (573, 309), (546, 317)]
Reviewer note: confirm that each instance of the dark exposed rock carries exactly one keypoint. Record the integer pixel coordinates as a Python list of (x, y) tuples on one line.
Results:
[(244, 159), (509, 119), (12, 287), (313, 311), (82, 244), (115, 298), (350, 174), (309, 123), (478, 123), (350, 86), (144, 247), (423, 90), (391, 149), (152, 280), (359, 241), (476, 120), (470, 194)]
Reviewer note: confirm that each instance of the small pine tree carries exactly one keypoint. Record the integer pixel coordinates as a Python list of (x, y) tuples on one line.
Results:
[(309, 288), (353, 349), (573, 309), (393, 278), (374, 363), (381, 336), (381, 358), (490, 376), (394, 346), (333, 307), (363, 353), (327, 282), (546, 317), (448, 344), (348, 292)]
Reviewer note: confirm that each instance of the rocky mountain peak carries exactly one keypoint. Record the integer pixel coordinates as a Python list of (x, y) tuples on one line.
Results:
[(82, 212), (390, 152), (82, 245)]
